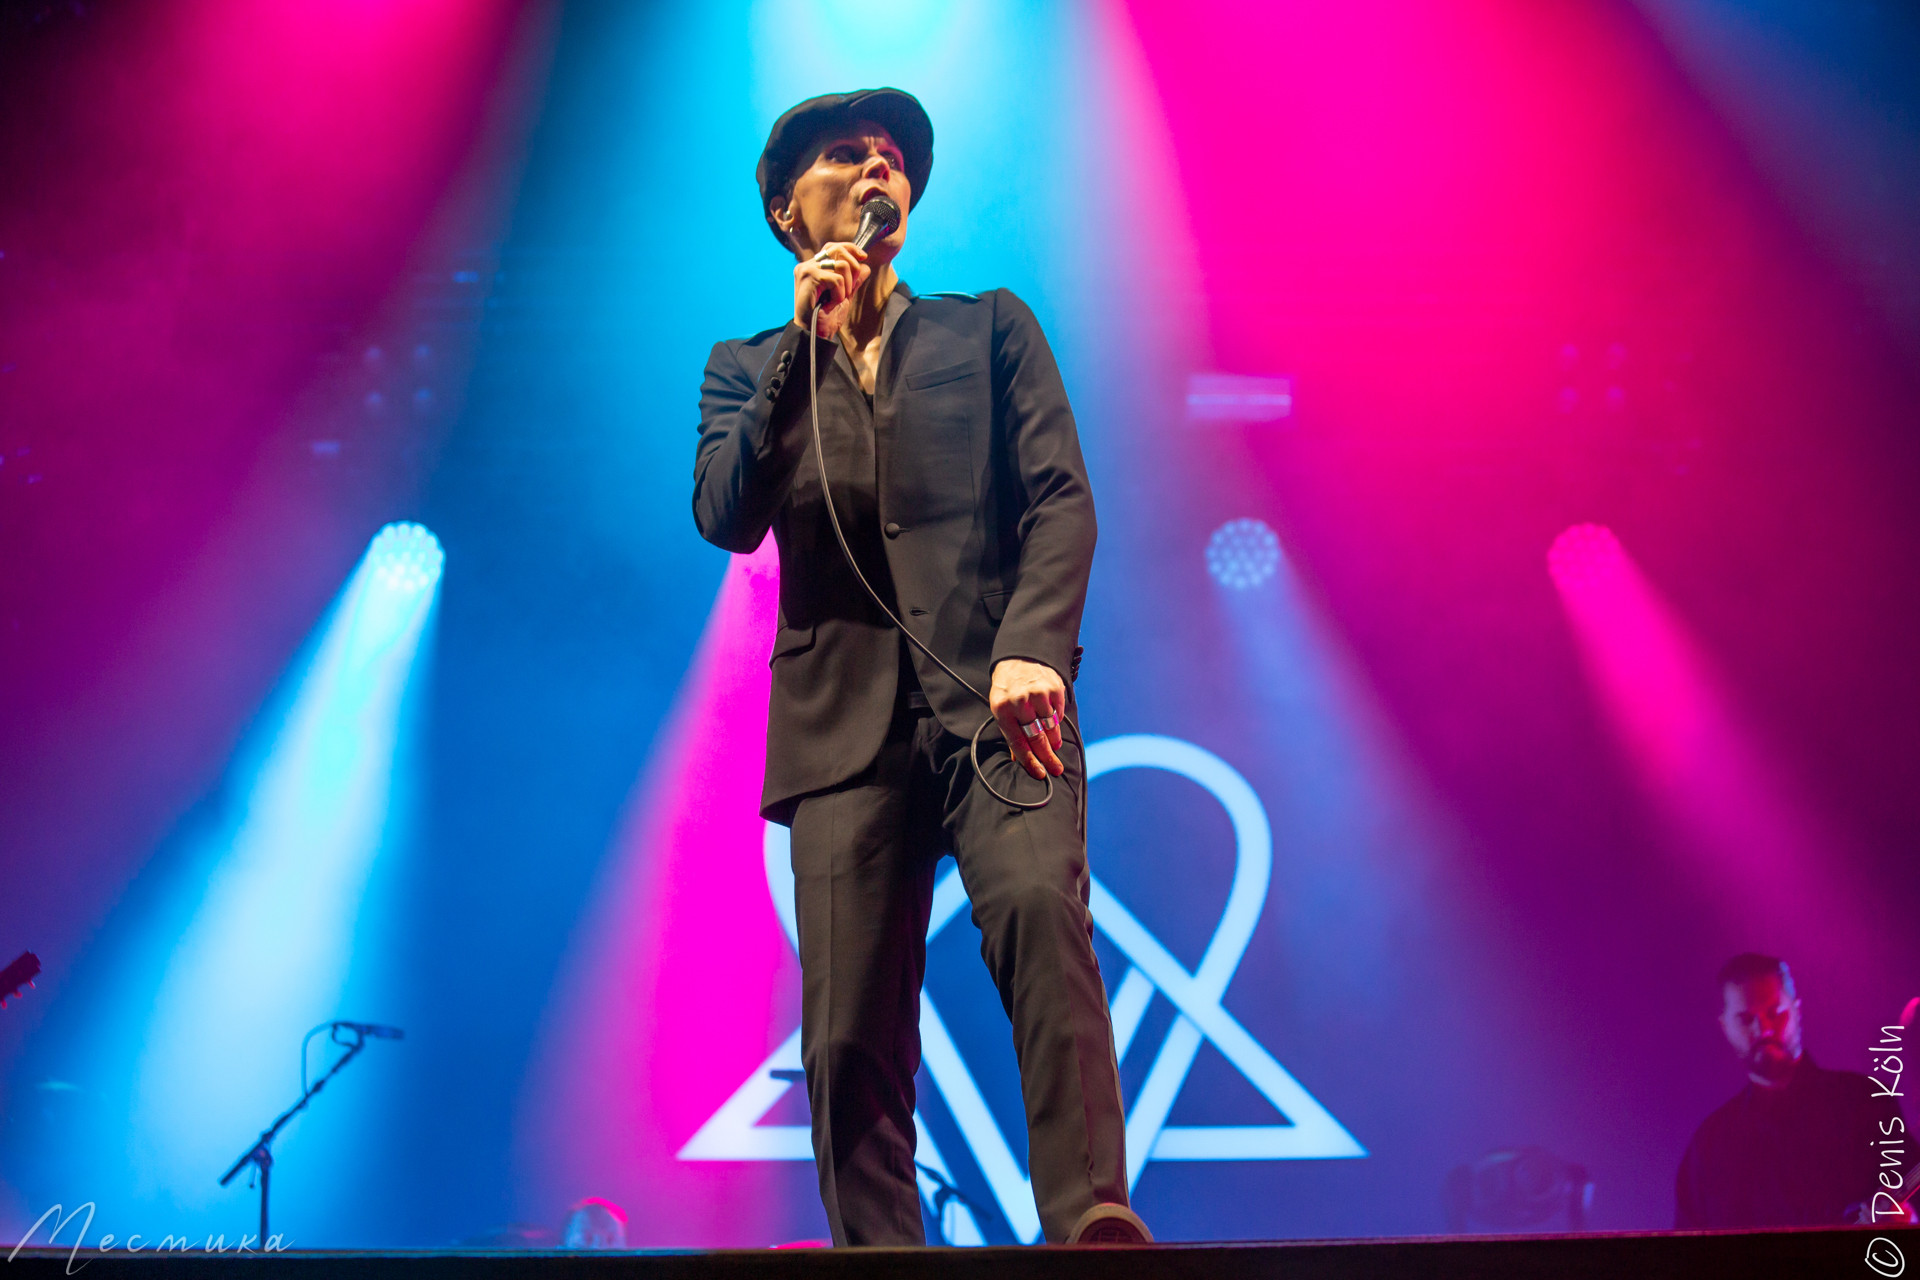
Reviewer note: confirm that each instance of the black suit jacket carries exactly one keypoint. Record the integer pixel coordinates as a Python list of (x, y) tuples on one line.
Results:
[(983, 500)]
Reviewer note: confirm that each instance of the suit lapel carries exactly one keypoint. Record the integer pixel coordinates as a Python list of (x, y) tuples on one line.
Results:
[(898, 329)]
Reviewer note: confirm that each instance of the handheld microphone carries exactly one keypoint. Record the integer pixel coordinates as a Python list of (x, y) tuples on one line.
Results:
[(879, 215), (374, 1029)]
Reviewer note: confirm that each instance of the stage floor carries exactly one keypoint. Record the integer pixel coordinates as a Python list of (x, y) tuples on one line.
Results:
[(1750, 1255)]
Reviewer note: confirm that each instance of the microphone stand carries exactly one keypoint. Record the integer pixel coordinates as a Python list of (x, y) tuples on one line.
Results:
[(260, 1155)]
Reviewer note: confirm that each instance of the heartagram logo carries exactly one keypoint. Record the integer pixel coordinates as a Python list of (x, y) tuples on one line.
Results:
[(1311, 1132)]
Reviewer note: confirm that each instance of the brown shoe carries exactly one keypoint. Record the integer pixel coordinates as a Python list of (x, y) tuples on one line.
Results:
[(1110, 1224)]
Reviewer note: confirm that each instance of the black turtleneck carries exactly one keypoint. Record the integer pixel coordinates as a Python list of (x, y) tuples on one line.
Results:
[(1799, 1155)]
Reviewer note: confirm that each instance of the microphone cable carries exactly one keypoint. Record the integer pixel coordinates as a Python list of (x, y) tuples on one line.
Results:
[(833, 518)]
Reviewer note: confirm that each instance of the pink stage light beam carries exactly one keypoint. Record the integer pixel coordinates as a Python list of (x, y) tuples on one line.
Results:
[(1762, 850), (645, 1038)]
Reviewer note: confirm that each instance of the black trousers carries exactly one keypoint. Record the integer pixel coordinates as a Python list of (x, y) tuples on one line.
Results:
[(864, 856)]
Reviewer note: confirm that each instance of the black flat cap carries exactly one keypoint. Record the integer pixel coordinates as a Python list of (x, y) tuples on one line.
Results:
[(793, 132)]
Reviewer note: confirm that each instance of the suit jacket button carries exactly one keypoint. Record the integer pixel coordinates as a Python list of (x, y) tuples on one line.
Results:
[(892, 530)]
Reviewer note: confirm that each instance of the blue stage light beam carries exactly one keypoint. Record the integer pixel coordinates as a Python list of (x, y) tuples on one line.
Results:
[(280, 929), (1358, 831)]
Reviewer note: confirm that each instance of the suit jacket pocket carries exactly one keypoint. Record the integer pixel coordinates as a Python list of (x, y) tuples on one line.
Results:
[(948, 373), (788, 640), (995, 603), (929, 468)]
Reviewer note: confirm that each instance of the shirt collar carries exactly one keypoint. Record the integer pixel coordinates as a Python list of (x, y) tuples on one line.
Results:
[(1796, 1084), (897, 303)]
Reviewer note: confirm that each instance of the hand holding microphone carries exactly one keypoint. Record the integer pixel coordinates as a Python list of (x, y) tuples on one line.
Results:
[(832, 276)]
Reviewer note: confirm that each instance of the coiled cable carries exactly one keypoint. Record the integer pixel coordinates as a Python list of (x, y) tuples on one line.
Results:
[(833, 518)]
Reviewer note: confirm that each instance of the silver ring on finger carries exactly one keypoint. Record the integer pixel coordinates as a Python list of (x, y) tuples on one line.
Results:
[(1031, 728)]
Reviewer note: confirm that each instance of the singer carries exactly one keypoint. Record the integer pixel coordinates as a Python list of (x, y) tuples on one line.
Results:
[(955, 469)]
